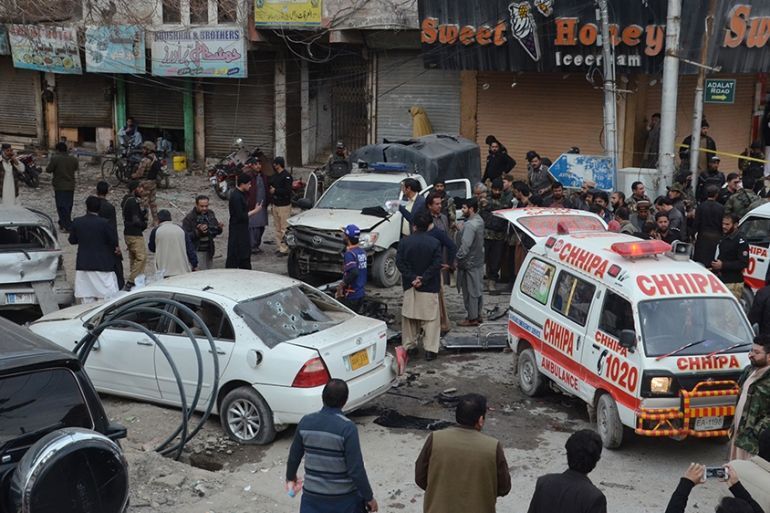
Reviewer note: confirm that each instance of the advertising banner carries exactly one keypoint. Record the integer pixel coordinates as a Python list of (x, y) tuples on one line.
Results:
[(45, 48), (287, 13), (5, 48), (115, 49), (565, 35), (216, 52)]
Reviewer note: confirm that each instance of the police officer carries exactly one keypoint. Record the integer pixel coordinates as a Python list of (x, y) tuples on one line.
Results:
[(732, 256), (351, 290)]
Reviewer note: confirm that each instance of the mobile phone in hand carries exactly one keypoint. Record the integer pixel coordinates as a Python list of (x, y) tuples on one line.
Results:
[(719, 473)]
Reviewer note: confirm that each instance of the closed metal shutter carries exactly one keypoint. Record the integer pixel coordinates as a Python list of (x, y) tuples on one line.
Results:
[(156, 103), (17, 100), (402, 82), (242, 108), (349, 101), (83, 100), (729, 125), (544, 112)]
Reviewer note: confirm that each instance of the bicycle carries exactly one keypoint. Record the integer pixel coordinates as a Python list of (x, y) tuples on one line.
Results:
[(119, 166)]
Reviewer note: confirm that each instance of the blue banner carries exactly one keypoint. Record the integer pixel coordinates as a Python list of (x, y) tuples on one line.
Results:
[(115, 49)]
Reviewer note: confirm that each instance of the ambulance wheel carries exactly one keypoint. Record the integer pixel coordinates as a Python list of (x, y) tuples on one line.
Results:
[(608, 422), (531, 382)]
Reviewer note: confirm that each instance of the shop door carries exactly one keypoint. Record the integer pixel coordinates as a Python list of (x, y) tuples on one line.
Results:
[(349, 99), (158, 108), (402, 82), (84, 100), (18, 88)]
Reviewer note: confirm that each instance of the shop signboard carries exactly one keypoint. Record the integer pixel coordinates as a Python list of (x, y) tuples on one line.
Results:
[(212, 52), (565, 35), (287, 13), (719, 91), (115, 49), (572, 169), (5, 48), (50, 48)]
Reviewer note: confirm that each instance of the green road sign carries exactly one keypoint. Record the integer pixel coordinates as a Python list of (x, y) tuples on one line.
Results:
[(719, 91)]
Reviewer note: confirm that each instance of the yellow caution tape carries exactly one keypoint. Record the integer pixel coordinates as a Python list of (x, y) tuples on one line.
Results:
[(726, 154)]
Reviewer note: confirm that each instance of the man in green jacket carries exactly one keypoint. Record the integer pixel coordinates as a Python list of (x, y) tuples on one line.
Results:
[(63, 166), (752, 413)]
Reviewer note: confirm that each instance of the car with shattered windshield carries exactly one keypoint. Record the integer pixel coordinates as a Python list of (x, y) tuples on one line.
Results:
[(278, 342), (31, 263)]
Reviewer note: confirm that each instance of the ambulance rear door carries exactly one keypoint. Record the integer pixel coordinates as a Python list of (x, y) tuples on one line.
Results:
[(610, 367)]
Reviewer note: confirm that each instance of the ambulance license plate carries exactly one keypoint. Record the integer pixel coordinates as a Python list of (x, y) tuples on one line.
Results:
[(709, 423), (359, 359)]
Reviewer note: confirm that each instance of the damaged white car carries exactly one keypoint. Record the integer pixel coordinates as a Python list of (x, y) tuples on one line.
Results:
[(31, 265)]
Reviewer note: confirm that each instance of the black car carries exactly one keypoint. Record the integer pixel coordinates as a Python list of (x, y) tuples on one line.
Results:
[(58, 450)]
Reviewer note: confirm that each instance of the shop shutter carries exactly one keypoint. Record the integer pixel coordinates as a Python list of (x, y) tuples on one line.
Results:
[(403, 81), (729, 125), (349, 101), (242, 108), (83, 101), (17, 100), (545, 112), (156, 103)]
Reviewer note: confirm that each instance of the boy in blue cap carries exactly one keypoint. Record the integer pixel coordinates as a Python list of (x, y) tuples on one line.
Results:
[(351, 290)]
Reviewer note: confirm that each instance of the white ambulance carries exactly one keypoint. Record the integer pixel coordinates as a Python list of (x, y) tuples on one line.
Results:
[(755, 229), (651, 341)]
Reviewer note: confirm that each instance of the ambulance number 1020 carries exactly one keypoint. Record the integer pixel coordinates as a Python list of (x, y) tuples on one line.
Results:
[(620, 372)]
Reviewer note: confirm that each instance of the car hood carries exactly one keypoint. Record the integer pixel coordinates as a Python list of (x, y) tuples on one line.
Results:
[(73, 312), (333, 219)]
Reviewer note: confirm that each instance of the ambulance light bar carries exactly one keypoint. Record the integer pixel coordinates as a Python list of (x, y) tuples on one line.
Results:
[(643, 248)]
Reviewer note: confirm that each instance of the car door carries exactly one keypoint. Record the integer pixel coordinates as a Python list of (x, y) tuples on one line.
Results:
[(123, 360), (459, 188), (312, 189), (755, 231), (180, 347)]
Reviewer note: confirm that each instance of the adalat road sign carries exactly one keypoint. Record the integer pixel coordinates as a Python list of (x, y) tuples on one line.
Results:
[(719, 91)]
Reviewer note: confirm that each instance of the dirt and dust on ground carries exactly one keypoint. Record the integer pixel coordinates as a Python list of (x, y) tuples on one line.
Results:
[(216, 475)]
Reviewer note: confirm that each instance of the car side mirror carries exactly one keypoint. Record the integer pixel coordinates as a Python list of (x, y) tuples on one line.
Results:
[(116, 431), (304, 204), (628, 339)]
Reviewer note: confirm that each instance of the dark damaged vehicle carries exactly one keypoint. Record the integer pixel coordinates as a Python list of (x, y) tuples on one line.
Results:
[(58, 451)]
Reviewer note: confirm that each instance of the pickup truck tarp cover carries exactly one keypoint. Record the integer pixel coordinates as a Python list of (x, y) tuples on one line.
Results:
[(438, 155)]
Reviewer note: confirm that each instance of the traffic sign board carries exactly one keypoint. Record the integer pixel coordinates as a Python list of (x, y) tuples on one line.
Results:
[(719, 91), (572, 169)]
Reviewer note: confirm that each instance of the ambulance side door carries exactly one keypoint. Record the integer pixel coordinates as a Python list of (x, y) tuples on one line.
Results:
[(564, 332), (755, 231), (609, 366)]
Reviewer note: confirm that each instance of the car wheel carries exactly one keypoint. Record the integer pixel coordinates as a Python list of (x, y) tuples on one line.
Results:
[(72, 469), (608, 422), (386, 273), (246, 417), (531, 381)]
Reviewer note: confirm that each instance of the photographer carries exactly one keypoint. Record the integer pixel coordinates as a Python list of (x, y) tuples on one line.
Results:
[(202, 226), (741, 502)]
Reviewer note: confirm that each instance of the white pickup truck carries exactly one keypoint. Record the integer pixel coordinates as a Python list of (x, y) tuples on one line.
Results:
[(314, 237)]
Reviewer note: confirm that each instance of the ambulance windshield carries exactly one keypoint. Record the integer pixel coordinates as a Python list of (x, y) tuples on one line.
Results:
[(668, 324)]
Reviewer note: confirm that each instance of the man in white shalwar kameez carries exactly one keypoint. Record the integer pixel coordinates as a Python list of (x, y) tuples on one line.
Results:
[(97, 243)]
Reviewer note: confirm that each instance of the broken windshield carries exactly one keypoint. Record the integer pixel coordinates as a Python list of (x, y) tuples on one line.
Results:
[(290, 314), (24, 238), (355, 195)]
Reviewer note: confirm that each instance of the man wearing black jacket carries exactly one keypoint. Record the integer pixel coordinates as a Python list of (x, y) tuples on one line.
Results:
[(740, 502), (419, 260), (107, 211), (499, 162), (760, 308), (280, 190), (134, 224), (732, 256), (94, 268), (239, 240), (708, 227)]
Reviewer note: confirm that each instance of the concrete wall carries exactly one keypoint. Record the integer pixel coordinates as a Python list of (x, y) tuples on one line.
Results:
[(371, 14)]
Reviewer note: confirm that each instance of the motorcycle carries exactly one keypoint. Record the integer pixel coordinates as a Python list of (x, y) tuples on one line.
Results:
[(224, 174), (31, 174)]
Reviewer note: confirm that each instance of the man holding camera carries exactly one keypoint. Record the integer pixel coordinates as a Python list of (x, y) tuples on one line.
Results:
[(202, 226), (10, 171)]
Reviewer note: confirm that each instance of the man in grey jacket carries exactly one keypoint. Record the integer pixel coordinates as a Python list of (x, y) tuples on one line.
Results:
[(470, 263)]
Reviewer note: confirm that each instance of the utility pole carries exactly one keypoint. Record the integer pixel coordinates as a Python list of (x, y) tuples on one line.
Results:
[(697, 116), (666, 151), (610, 104)]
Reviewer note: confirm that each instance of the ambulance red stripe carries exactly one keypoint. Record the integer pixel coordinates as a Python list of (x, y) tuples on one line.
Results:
[(582, 372)]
